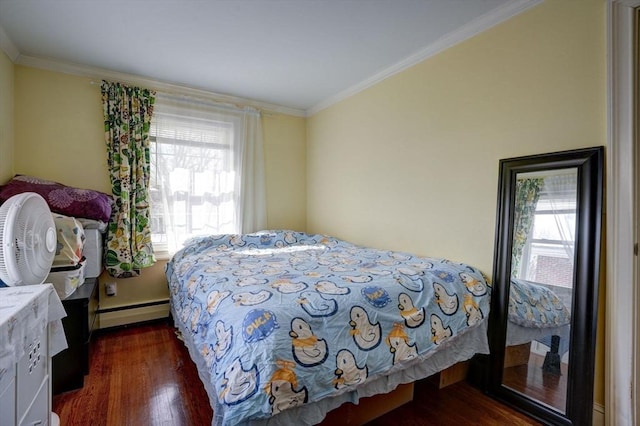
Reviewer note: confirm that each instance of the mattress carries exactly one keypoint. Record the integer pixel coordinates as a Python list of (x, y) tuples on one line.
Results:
[(517, 334), (92, 251), (67, 279)]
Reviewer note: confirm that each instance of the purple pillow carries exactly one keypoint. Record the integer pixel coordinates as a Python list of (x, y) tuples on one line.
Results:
[(62, 199)]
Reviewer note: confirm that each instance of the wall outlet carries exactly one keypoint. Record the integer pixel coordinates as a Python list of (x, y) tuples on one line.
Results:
[(111, 288)]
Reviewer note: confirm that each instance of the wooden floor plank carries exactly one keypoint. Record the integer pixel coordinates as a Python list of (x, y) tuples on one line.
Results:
[(138, 376), (531, 379), (143, 376), (458, 404)]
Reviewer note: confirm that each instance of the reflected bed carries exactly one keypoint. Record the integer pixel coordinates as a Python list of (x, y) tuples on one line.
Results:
[(536, 313)]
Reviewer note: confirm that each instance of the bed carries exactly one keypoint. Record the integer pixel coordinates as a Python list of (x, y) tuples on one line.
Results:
[(536, 313), (285, 326)]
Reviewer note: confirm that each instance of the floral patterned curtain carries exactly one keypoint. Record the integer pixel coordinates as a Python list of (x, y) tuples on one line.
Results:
[(527, 194), (127, 118)]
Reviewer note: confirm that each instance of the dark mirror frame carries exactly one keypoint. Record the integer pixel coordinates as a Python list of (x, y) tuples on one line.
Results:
[(589, 163)]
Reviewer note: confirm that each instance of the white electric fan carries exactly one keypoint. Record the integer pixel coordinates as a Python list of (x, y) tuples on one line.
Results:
[(28, 243), (27, 240)]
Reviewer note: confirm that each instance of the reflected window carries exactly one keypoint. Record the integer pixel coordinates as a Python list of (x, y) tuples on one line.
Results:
[(547, 228), (548, 253)]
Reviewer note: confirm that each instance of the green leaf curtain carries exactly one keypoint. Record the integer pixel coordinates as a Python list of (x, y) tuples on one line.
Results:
[(527, 195), (127, 118)]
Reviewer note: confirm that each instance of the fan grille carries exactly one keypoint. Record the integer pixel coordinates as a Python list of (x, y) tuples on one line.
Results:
[(25, 256)]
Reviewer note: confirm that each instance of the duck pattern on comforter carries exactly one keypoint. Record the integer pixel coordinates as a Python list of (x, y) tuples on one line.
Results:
[(286, 318), (535, 306)]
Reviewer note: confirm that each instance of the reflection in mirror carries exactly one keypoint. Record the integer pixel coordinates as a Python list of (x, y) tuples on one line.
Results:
[(542, 264)]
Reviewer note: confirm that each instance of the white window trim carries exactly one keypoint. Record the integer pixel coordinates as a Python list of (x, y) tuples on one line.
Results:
[(622, 339)]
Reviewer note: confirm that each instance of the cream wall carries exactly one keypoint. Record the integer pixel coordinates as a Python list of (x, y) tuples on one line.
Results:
[(58, 129), (59, 136), (286, 168), (6, 117), (412, 162)]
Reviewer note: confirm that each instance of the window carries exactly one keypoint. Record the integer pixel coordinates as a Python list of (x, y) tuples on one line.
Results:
[(194, 184)]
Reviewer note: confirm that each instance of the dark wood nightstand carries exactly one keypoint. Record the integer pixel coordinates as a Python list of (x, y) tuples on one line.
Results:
[(71, 365)]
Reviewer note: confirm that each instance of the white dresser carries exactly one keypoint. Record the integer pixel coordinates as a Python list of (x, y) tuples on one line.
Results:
[(30, 334)]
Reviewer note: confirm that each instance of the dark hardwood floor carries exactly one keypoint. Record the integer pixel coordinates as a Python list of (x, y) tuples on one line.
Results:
[(143, 375), (138, 376)]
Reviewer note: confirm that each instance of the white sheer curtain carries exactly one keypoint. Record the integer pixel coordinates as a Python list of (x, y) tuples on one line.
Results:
[(561, 193), (252, 207), (207, 171)]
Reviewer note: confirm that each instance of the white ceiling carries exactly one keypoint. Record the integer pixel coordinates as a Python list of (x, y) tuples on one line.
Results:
[(299, 54)]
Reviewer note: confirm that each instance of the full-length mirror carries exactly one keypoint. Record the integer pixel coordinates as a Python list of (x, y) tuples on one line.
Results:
[(546, 274)]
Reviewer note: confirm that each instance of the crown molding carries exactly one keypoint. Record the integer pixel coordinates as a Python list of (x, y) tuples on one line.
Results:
[(6, 44), (469, 30), (170, 88), (461, 34)]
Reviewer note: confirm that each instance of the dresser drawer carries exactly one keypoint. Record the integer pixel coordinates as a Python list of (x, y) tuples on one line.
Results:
[(8, 396), (38, 413), (31, 371), (7, 378)]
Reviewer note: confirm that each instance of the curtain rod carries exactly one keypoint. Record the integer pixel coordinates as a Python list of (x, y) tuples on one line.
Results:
[(202, 100), (209, 102)]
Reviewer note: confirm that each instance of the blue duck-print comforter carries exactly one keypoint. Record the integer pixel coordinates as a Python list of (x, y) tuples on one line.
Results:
[(285, 318)]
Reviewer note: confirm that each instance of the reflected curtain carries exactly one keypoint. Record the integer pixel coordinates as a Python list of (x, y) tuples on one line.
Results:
[(127, 118), (527, 195)]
